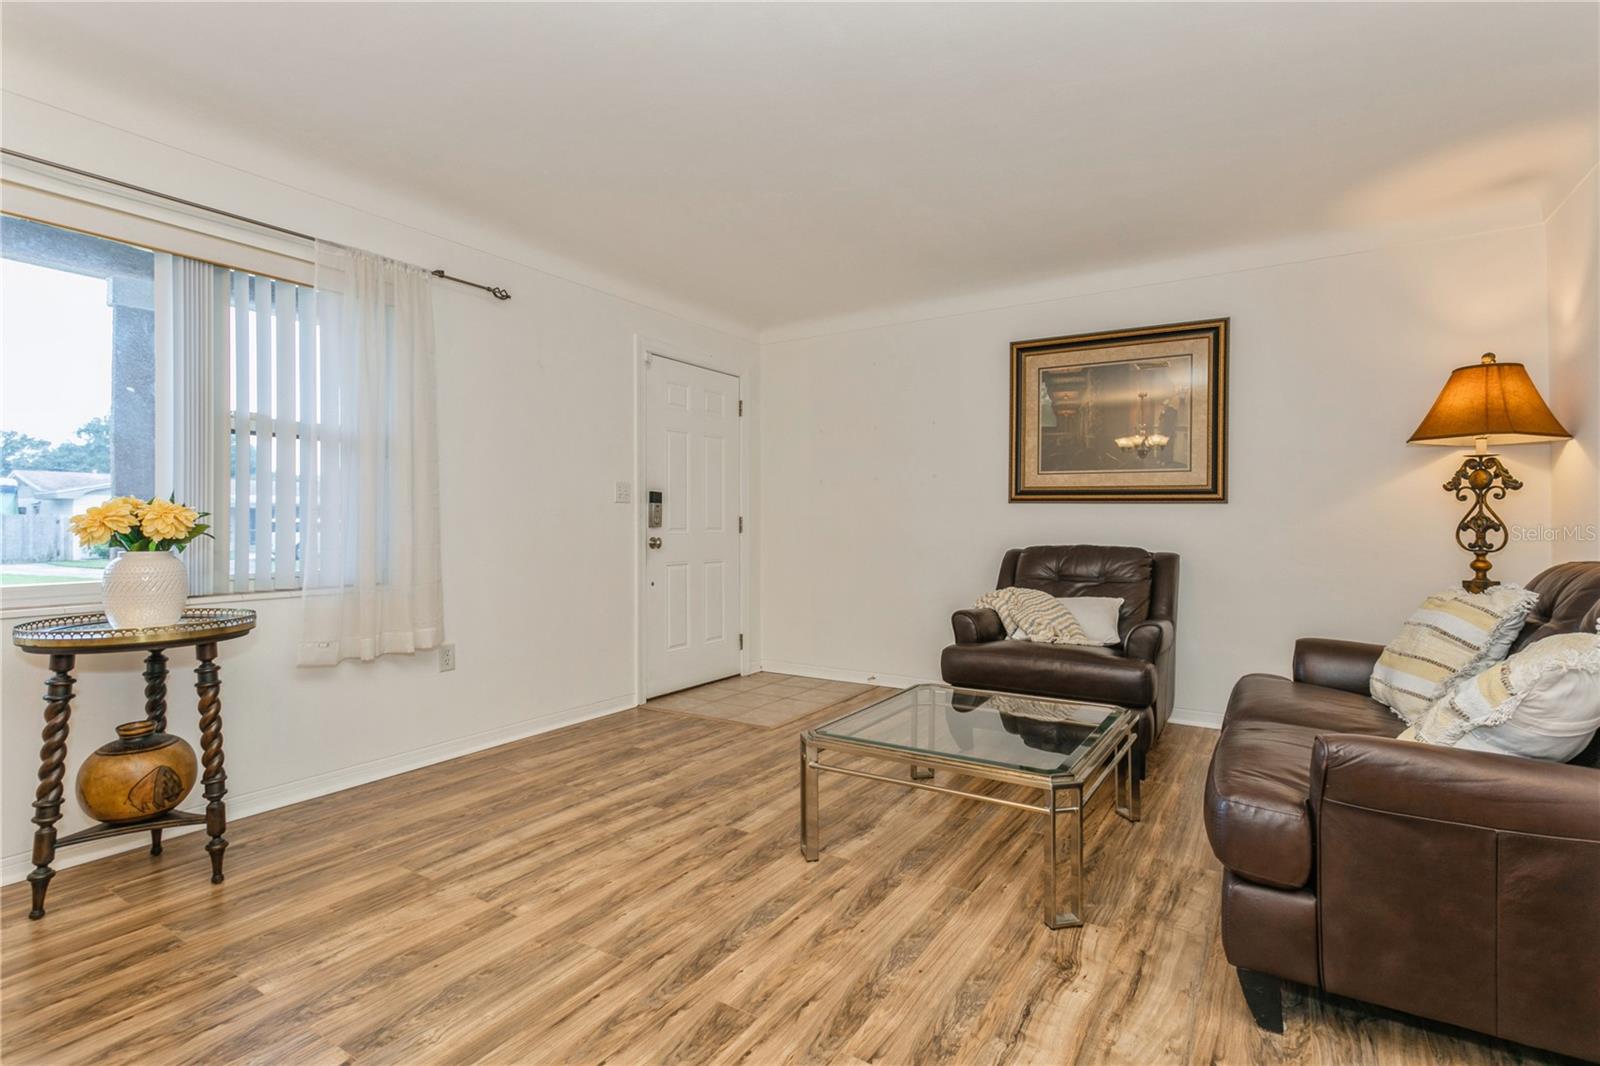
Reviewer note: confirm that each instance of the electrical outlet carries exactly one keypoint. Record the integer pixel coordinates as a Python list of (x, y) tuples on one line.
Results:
[(447, 658), (624, 493)]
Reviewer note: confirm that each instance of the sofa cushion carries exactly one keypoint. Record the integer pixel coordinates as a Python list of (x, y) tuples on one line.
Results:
[(1065, 672), (1260, 781), (1270, 698), (1269, 930)]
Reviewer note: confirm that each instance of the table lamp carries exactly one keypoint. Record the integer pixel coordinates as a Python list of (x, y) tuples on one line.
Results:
[(1489, 401)]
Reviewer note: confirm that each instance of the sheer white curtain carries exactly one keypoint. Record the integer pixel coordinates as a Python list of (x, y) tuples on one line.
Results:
[(371, 539)]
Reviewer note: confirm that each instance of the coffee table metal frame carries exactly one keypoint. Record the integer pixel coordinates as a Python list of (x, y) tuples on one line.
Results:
[(1065, 794)]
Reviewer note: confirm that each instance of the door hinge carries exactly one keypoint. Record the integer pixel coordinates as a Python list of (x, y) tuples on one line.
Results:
[(741, 642), (741, 408), (741, 523)]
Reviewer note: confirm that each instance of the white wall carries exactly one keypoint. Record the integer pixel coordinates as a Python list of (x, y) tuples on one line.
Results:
[(1572, 241), (536, 400), (884, 456)]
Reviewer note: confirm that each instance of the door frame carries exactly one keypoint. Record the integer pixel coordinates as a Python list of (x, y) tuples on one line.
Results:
[(643, 349)]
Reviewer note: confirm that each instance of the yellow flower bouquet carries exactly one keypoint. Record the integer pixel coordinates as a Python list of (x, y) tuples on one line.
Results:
[(136, 525)]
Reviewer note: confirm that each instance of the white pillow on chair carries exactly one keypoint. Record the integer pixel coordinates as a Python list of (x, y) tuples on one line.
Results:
[(1098, 615)]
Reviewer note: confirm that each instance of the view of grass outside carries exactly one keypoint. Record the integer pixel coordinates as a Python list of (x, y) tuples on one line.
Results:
[(54, 573)]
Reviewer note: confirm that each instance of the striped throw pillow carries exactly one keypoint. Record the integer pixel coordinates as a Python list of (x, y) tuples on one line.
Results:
[(1037, 614), (1452, 635)]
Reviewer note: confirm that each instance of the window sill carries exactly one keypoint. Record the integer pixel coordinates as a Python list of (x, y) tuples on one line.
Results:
[(60, 601)]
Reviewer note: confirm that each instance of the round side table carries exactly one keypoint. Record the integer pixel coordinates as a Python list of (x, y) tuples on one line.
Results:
[(63, 639)]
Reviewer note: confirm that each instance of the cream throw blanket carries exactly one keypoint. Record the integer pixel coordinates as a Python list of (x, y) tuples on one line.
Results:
[(1036, 613)]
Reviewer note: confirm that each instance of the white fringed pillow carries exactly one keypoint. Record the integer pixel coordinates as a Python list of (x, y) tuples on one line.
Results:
[(1543, 703), (1451, 636)]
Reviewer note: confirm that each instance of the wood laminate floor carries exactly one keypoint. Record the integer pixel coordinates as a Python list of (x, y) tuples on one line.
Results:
[(630, 890)]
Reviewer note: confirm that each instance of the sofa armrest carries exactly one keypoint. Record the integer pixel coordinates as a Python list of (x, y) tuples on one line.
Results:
[(1459, 885), (1342, 664), (977, 625), (1148, 639), (1505, 793)]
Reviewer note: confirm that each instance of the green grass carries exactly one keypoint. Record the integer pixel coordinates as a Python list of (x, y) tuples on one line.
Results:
[(75, 571)]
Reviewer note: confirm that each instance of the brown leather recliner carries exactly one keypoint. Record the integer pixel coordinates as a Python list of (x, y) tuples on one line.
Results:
[(1456, 885), (1138, 673)]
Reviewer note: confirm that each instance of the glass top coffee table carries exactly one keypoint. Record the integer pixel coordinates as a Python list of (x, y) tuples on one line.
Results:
[(1064, 750)]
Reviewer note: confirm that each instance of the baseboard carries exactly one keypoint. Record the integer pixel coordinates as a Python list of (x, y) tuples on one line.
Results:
[(858, 677), (1190, 716), (243, 805), (1180, 715)]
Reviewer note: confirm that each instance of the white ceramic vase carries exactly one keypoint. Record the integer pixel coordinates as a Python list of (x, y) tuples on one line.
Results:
[(143, 590)]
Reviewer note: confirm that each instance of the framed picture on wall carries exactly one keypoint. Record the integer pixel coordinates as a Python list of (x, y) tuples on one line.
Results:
[(1131, 414)]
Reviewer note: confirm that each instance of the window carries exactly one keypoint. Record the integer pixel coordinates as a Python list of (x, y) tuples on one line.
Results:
[(77, 418), (133, 372)]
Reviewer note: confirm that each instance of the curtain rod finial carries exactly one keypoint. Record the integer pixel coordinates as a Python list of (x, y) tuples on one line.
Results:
[(493, 290)]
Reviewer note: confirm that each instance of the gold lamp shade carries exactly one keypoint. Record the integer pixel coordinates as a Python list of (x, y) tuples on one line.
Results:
[(1490, 400)]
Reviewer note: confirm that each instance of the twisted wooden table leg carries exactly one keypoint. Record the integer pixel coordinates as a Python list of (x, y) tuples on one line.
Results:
[(155, 689), (52, 772), (215, 778), (155, 709)]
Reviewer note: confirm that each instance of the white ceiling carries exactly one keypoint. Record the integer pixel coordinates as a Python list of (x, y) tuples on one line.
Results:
[(781, 162)]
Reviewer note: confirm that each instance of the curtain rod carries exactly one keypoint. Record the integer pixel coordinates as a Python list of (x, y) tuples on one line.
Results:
[(494, 290)]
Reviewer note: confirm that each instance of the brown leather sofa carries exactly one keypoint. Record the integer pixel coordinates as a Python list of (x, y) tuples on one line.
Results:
[(1456, 885), (1136, 673)]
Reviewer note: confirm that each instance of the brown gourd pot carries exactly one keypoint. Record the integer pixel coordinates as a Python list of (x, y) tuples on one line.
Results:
[(139, 775)]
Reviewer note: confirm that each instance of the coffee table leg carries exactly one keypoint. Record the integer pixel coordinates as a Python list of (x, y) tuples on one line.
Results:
[(1128, 787), (809, 830), (921, 734), (1063, 875)]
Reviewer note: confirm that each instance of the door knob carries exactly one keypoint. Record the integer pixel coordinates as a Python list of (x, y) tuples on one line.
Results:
[(654, 542)]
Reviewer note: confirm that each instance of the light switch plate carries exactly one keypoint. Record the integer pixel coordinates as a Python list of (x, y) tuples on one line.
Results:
[(624, 492)]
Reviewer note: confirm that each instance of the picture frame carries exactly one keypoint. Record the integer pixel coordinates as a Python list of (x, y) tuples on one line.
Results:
[(1124, 415)]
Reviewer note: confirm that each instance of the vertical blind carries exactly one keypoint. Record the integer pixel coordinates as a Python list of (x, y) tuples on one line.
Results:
[(248, 378)]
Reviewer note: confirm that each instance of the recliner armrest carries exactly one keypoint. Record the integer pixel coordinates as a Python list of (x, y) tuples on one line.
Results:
[(1148, 639), (977, 625), (1479, 788), (1341, 664)]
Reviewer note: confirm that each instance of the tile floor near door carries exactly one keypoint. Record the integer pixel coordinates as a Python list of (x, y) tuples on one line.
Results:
[(630, 890), (759, 699)]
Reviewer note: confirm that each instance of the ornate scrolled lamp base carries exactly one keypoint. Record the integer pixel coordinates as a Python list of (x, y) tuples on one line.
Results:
[(1480, 478)]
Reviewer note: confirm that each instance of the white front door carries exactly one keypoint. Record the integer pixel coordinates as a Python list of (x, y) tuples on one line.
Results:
[(692, 559)]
